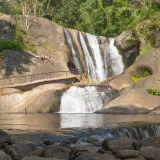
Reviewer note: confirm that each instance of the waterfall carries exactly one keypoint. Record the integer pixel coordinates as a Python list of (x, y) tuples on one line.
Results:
[(116, 59), (89, 62), (94, 56), (138, 133), (93, 43), (75, 56), (87, 99)]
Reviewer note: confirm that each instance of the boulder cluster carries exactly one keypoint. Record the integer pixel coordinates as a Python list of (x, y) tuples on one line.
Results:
[(122, 148)]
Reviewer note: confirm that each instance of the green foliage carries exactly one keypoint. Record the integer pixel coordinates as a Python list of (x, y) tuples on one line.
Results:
[(31, 47), (14, 45), (153, 91), (131, 42), (140, 73), (136, 79), (19, 34), (100, 17)]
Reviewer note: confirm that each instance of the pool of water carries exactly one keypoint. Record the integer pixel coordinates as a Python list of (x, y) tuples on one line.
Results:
[(60, 123)]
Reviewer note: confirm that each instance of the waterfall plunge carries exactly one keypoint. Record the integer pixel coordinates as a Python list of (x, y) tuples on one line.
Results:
[(87, 99), (116, 59)]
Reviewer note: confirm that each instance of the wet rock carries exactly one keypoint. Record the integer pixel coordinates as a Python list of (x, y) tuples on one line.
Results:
[(91, 156), (84, 148), (36, 153), (153, 141), (73, 139), (150, 153), (79, 150), (136, 144), (127, 154), (115, 145), (4, 156), (54, 151), (102, 151), (4, 137), (91, 139), (139, 158), (65, 143), (97, 144), (18, 151), (40, 158), (47, 143)]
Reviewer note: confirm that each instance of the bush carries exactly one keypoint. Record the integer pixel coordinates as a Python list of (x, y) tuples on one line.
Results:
[(14, 45), (153, 91), (140, 73), (31, 47)]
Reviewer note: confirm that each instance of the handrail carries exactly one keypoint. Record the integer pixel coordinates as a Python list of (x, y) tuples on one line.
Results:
[(32, 78)]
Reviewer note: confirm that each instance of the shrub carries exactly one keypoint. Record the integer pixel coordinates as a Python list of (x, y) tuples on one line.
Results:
[(153, 91), (31, 47), (14, 45), (140, 73), (131, 42)]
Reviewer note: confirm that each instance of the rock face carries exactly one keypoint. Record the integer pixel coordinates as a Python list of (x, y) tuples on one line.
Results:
[(129, 45), (134, 97), (33, 97)]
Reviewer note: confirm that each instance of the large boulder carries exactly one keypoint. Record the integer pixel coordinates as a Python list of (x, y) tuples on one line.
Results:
[(153, 141), (129, 46), (91, 156), (127, 153), (115, 145), (40, 158), (4, 137), (54, 151), (4, 156), (150, 153), (18, 151), (36, 153)]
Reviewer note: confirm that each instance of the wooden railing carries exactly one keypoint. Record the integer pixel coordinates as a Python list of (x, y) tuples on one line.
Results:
[(32, 78)]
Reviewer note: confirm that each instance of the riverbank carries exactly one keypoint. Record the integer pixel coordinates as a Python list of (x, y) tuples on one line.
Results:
[(127, 146)]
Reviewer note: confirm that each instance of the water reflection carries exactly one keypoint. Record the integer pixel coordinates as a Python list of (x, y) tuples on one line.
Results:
[(81, 120), (56, 123)]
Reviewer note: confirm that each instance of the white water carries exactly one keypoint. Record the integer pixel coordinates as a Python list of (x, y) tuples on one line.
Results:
[(116, 59), (91, 70), (83, 100), (74, 54), (93, 43)]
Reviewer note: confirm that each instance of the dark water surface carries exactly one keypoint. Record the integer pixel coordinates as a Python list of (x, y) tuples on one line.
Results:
[(59, 123)]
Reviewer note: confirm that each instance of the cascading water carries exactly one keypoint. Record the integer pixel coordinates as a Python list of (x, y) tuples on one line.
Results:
[(87, 99), (138, 133), (91, 70), (93, 43), (75, 56), (116, 59)]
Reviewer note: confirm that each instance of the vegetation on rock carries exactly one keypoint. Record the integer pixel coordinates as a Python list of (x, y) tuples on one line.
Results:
[(153, 91), (140, 73), (14, 45)]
